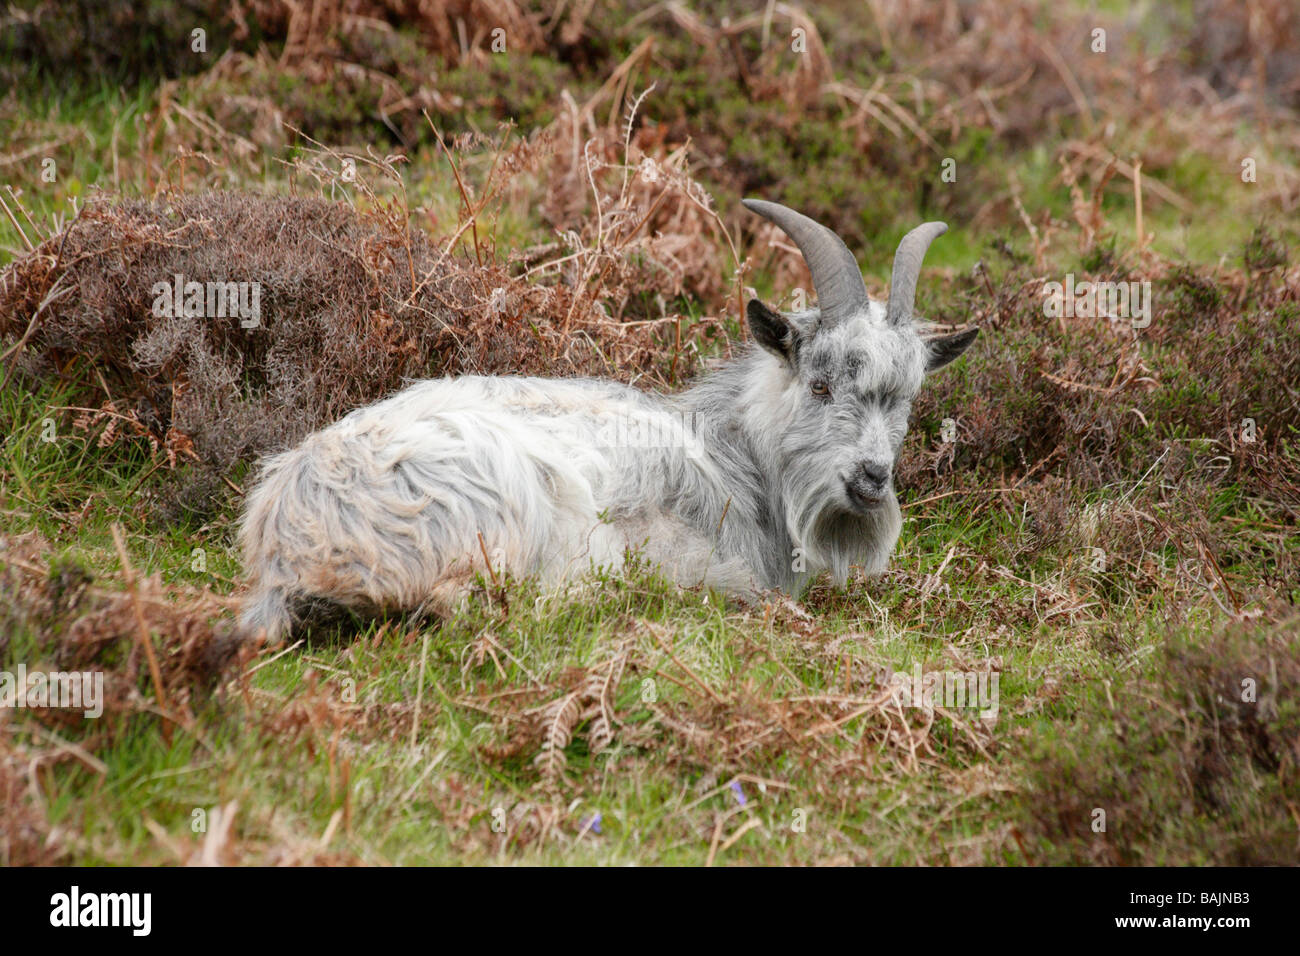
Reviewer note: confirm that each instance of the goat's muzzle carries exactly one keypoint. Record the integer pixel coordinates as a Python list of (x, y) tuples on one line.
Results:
[(867, 486)]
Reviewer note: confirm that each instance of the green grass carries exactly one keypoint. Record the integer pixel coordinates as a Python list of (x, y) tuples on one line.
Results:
[(278, 748)]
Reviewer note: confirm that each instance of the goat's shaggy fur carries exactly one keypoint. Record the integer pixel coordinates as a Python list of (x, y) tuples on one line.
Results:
[(750, 480)]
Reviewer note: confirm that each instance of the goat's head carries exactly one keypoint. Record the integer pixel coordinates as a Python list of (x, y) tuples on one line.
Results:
[(847, 373)]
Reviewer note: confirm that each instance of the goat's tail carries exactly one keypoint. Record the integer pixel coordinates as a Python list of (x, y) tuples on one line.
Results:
[(266, 614)]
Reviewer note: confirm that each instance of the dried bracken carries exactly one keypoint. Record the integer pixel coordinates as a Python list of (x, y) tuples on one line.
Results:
[(162, 650), (721, 727), (352, 304)]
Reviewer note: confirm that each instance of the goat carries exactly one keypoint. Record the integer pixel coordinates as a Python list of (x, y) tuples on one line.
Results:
[(773, 468)]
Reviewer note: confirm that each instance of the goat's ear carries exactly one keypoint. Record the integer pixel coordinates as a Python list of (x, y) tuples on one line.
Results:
[(945, 348), (771, 330)]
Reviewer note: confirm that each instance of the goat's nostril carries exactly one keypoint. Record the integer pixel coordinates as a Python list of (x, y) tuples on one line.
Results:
[(875, 474), (867, 485)]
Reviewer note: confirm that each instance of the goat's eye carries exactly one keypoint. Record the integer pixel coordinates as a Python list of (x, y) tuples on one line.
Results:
[(820, 389)]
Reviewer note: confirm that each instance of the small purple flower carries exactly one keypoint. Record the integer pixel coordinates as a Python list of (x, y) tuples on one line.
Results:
[(740, 794), (592, 823)]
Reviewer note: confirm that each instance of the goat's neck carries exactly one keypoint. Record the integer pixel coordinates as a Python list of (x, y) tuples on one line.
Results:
[(735, 413), (739, 400)]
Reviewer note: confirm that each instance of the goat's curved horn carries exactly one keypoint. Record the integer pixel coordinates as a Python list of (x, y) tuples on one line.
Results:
[(835, 273), (907, 268)]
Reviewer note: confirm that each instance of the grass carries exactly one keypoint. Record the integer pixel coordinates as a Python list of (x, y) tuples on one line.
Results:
[(313, 754)]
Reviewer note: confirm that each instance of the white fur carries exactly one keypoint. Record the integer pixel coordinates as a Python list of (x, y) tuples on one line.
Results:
[(739, 483)]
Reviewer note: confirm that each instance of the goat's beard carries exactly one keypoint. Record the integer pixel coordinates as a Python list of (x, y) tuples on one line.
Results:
[(833, 536)]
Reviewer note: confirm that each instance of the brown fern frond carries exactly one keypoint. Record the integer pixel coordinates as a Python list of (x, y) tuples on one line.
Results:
[(561, 717)]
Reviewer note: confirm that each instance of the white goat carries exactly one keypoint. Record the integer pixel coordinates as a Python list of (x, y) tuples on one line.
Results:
[(770, 470)]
